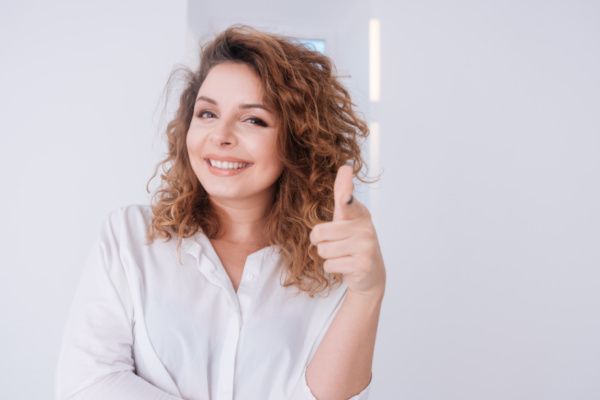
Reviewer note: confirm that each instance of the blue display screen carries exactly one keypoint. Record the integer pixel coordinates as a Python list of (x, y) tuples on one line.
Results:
[(314, 44)]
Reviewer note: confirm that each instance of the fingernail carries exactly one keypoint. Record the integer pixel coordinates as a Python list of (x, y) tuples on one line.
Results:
[(350, 199)]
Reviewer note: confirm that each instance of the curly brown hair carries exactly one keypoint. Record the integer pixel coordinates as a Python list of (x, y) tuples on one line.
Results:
[(319, 132)]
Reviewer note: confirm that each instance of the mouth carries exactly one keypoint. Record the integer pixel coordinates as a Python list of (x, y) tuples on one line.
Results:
[(227, 165), (226, 168)]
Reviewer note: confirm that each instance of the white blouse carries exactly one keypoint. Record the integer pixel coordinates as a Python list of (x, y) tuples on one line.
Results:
[(144, 326)]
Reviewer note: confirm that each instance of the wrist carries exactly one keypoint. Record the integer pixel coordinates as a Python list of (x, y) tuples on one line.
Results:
[(374, 296)]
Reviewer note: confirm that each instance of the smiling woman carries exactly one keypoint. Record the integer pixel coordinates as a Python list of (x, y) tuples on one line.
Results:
[(279, 291), (307, 112)]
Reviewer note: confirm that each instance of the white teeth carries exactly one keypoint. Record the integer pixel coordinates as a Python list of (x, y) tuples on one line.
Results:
[(227, 164)]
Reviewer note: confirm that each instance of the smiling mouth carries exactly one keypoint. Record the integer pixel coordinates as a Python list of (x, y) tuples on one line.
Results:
[(226, 168), (227, 165)]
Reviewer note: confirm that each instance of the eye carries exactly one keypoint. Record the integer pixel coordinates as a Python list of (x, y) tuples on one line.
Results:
[(204, 114), (257, 121)]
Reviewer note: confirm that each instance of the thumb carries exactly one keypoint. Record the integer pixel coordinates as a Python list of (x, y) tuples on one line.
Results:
[(343, 196)]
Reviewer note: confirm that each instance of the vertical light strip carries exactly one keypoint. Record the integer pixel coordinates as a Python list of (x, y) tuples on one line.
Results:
[(374, 96), (374, 89), (374, 60)]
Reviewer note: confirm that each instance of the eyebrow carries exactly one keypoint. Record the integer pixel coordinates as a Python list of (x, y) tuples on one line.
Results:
[(244, 106)]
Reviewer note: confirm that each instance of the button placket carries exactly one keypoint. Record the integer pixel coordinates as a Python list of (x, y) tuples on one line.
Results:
[(228, 356), (248, 285)]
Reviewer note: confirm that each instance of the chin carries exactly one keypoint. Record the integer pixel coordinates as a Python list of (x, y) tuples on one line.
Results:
[(219, 193)]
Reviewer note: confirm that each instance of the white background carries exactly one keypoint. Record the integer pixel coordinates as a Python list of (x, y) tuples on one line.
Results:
[(488, 211)]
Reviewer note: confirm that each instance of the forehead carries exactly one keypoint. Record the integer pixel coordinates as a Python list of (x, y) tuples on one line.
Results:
[(233, 81)]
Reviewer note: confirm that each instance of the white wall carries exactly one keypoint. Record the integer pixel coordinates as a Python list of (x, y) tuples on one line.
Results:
[(81, 85), (490, 202)]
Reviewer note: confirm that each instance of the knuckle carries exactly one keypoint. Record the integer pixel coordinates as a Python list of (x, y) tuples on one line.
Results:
[(368, 234), (317, 228)]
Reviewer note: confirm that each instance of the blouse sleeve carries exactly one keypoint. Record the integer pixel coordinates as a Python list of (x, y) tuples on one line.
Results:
[(95, 360)]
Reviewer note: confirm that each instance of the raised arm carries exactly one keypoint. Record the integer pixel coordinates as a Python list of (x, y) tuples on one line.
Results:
[(341, 366)]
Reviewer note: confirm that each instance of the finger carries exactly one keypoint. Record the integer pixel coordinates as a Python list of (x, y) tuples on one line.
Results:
[(337, 248), (335, 230), (341, 265)]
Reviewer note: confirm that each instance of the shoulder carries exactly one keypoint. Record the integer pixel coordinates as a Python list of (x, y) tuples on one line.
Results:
[(127, 221), (130, 214)]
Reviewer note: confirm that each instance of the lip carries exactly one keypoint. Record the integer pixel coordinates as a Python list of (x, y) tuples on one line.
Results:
[(230, 159)]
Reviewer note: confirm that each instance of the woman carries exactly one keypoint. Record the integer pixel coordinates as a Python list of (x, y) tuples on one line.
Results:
[(278, 292)]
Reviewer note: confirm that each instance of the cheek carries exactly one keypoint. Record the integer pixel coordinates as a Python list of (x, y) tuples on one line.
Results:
[(191, 141), (265, 151), (193, 146), (194, 141)]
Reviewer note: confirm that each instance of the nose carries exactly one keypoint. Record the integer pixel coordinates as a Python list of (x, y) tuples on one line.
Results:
[(223, 134)]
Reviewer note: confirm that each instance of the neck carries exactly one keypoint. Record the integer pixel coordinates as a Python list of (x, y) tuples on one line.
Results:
[(241, 223)]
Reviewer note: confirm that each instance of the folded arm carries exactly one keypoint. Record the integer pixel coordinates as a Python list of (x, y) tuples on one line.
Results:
[(96, 359)]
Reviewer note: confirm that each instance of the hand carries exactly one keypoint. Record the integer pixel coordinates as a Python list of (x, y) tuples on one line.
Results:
[(349, 243)]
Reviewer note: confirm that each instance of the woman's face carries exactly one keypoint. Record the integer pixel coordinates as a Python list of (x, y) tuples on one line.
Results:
[(232, 137)]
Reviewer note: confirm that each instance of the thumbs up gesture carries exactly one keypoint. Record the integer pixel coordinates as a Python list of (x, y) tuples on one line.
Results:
[(349, 243)]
